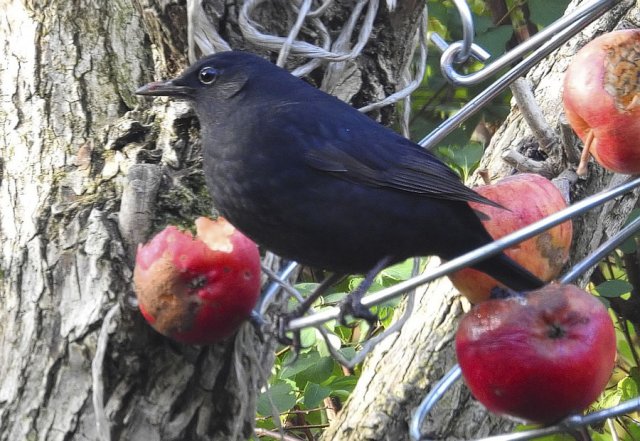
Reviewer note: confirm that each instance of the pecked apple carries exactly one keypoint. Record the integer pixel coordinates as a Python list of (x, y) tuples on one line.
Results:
[(601, 99), (198, 290), (528, 198), (538, 357)]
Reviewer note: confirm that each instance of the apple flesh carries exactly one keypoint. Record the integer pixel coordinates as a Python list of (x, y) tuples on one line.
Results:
[(198, 290), (601, 99), (528, 198), (539, 357)]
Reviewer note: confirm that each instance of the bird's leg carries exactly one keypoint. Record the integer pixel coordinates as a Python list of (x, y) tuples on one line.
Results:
[(319, 291), (352, 304), (303, 308)]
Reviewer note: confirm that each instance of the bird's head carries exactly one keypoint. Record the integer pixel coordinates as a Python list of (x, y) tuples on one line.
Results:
[(215, 78)]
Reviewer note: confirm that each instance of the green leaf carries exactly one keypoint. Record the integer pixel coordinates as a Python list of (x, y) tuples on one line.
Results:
[(624, 348), (306, 288), (556, 437), (629, 246), (544, 12), (347, 352), (482, 24), (333, 298), (311, 367), (386, 313), (321, 345), (280, 395), (263, 423), (314, 394), (398, 272), (628, 388), (634, 431), (343, 383), (308, 337), (634, 373), (614, 288), (595, 436), (317, 373), (609, 398), (303, 362), (464, 159), (495, 40)]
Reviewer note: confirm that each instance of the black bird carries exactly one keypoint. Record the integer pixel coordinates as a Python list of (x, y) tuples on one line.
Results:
[(312, 179)]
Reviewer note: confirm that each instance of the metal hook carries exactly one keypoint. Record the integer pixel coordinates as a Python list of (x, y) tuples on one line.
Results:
[(468, 31), (567, 25), (476, 51), (573, 23)]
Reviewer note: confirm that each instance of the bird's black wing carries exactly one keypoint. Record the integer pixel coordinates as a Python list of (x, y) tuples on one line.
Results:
[(392, 162)]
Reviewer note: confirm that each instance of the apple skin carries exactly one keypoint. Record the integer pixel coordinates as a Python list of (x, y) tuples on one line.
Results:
[(198, 290), (601, 98), (529, 197), (539, 357)]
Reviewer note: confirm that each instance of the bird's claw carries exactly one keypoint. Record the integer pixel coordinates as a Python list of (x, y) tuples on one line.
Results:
[(353, 306), (294, 341), (281, 335)]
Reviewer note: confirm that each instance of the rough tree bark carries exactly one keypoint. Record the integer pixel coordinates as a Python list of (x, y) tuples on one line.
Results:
[(403, 368), (87, 171)]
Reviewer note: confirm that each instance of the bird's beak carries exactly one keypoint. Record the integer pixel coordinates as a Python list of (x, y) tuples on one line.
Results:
[(165, 88)]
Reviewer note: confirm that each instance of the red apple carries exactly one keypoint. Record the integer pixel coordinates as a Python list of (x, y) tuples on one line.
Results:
[(198, 290), (602, 100), (540, 357), (528, 197)]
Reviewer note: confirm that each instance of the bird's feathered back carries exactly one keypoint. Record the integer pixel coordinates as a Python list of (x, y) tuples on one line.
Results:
[(379, 157)]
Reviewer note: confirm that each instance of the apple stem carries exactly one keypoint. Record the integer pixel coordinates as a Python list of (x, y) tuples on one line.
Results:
[(635, 102), (484, 174), (584, 158)]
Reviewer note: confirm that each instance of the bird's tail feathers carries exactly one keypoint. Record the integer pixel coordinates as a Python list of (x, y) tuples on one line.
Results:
[(507, 271)]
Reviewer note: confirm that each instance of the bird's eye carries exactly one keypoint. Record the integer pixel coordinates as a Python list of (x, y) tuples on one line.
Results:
[(207, 75)]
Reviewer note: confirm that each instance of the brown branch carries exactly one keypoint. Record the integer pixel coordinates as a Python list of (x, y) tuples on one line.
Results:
[(264, 432), (533, 115)]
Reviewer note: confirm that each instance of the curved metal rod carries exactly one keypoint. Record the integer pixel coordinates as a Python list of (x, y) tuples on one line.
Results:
[(570, 423), (601, 252), (273, 288), (560, 31), (492, 91), (473, 256), (430, 401), (477, 52), (468, 31)]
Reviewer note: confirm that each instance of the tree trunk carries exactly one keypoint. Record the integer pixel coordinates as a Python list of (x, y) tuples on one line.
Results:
[(87, 173), (402, 369)]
